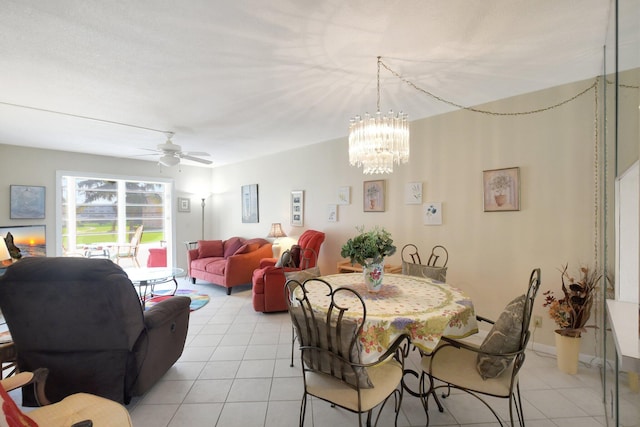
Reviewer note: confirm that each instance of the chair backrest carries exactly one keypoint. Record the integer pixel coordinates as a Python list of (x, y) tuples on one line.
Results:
[(137, 236), (534, 285), (328, 338), (435, 268)]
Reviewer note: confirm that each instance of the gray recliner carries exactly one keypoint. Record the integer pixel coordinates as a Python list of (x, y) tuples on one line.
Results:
[(82, 319)]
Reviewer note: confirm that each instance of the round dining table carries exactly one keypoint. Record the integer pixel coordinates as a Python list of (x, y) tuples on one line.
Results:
[(423, 308)]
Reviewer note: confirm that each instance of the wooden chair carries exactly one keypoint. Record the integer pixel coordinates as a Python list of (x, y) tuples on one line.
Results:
[(129, 250), (435, 268), (330, 353), (490, 369)]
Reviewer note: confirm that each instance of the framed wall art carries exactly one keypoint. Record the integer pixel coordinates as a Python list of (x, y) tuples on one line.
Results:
[(297, 208), (184, 204), (344, 195), (501, 189), (413, 193), (432, 213), (27, 202), (30, 239), (250, 203), (332, 213), (373, 196)]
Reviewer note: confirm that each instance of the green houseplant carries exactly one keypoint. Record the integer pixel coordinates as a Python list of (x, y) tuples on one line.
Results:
[(368, 247)]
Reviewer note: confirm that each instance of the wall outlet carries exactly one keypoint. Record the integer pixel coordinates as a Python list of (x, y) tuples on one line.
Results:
[(537, 321)]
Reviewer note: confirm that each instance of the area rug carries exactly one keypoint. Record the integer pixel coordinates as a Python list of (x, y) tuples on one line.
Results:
[(197, 300)]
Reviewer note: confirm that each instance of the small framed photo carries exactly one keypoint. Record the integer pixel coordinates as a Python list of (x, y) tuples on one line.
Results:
[(373, 196), (184, 204), (413, 193), (297, 208), (344, 195), (501, 189), (27, 202), (432, 213), (250, 203), (332, 213)]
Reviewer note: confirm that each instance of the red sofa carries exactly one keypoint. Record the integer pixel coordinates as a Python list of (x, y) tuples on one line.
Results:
[(269, 280), (227, 263)]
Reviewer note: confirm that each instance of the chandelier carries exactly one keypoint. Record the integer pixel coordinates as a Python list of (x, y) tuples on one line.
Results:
[(377, 142)]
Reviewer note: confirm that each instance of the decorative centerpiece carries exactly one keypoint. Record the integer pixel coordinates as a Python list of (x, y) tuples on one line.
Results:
[(369, 249), (571, 313)]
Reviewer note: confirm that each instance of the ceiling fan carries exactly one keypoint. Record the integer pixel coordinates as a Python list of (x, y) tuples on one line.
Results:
[(172, 153)]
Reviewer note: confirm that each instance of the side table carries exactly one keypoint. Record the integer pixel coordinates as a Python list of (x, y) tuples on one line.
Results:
[(346, 267)]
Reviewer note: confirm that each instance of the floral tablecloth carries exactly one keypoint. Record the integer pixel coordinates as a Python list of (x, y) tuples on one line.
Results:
[(423, 308)]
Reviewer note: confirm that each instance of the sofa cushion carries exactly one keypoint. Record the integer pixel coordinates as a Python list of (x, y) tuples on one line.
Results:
[(202, 263), (232, 245), (216, 267), (210, 248)]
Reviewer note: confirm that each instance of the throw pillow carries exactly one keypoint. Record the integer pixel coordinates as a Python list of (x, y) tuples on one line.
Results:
[(210, 248), (327, 362), (245, 249), (11, 415), (295, 255), (302, 275), (504, 337), (285, 260), (232, 245)]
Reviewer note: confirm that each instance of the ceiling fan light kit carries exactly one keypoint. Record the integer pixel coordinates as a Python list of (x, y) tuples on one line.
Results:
[(169, 160)]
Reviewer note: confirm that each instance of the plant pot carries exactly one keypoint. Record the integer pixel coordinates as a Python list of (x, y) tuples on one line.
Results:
[(567, 351), (500, 199), (373, 274)]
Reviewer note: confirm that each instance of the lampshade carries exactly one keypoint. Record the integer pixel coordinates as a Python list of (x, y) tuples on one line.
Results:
[(276, 231), (4, 251), (377, 142)]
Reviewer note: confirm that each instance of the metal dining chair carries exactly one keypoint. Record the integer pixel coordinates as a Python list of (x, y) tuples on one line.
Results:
[(435, 267)]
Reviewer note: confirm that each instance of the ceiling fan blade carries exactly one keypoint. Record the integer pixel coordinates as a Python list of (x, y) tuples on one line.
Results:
[(196, 153), (195, 159)]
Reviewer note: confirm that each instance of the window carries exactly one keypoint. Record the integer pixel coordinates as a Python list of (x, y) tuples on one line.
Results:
[(98, 209)]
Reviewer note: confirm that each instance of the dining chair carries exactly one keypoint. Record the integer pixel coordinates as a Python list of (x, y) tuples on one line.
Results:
[(490, 369), (76, 410), (435, 267), (129, 250), (328, 331)]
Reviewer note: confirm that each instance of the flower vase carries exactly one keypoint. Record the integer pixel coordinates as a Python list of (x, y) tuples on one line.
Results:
[(567, 352), (373, 274)]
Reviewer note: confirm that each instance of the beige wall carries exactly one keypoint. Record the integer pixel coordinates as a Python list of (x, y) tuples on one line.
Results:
[(491, 254)]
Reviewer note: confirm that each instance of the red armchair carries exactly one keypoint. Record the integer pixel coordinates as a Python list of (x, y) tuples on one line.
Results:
[(268, 280)]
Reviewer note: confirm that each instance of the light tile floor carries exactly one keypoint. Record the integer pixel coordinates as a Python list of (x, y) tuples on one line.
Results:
[(235, 372)]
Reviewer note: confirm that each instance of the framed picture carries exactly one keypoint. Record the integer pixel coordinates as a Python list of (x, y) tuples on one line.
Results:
[(250, 203), (297, 208), (501, 189), (332, 213), (373, 196), (413, 193), (27, 202), (344, 195), (432, 213), (184, 204), (30, 239)]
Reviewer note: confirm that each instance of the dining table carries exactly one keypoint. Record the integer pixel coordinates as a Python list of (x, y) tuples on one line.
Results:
[(423, 308)]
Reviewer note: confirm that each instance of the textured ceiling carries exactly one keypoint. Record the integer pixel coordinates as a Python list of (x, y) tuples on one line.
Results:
[(246, 78)]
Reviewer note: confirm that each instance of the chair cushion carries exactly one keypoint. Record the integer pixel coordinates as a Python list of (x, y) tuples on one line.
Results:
[(295, 255), (324, 361), (285, 260), (421, 270), (504, 337), (210, 248), (302, 275), (82, 406)]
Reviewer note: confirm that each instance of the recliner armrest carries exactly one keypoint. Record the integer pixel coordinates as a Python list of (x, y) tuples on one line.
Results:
[(165, 311)]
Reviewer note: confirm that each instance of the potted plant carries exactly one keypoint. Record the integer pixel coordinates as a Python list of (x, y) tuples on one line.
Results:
[(499, 185), (369, 249), (571, 313)]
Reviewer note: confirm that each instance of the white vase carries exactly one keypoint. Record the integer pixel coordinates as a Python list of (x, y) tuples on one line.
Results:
[(373, 274)]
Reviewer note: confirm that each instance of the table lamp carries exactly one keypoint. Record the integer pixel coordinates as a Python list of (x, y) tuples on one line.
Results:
[(276, 232), (4, 252)]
